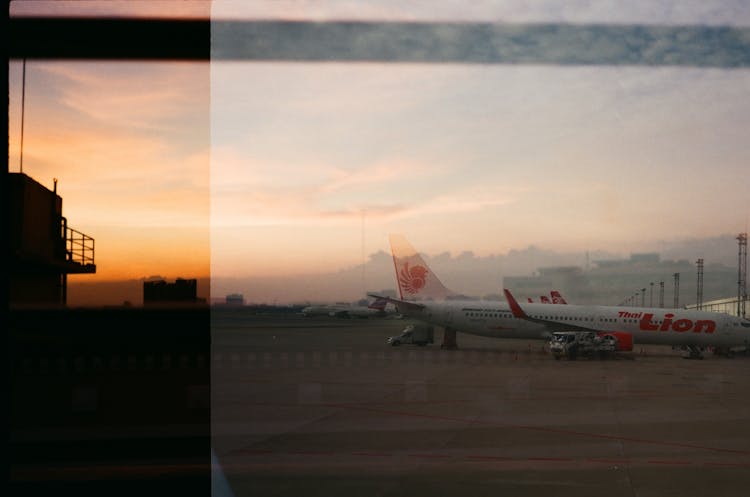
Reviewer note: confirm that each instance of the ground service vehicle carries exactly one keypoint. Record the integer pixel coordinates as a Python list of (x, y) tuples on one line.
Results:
[(419, 334), (572, 344)]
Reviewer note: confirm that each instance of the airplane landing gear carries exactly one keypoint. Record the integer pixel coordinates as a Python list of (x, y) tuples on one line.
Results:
[(449, 339), (695, 352)]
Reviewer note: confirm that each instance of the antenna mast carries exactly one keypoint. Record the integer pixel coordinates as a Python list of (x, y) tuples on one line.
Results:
[(23, 108), (742, 275), (699, 286), (364, 261)]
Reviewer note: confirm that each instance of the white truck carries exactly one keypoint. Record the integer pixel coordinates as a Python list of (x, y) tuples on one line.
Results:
[(419, 334), (573, 344)]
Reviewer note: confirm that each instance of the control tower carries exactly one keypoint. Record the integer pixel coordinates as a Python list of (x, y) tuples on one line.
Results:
[(43, 249)]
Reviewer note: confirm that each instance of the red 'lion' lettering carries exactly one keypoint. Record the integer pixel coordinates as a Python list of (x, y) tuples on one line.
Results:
[(667, 322), (680, 325), (646, 324), (707, 323)]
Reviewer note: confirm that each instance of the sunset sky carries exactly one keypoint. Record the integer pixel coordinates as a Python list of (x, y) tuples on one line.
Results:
[(263, 168)]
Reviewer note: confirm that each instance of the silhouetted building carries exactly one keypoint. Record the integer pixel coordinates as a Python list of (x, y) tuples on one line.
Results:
[(727, 305), (43, 248), (182, 291), (235, 299)]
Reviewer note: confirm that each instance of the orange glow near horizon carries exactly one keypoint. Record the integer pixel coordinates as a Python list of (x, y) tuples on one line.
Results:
[(125, 253), (169, 9), (129, 145)]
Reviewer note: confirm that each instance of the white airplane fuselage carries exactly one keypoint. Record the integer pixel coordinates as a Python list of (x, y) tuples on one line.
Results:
[(646, 325)]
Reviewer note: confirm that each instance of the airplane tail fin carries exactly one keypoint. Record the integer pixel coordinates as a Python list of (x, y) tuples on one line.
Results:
[(515, 309), (557, 298), (415, 279), (545, 299)]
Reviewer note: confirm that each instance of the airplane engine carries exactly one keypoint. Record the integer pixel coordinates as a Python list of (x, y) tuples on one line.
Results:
[(624, 340)]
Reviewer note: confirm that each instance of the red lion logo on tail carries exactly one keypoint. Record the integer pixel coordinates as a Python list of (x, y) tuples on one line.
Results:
[(412, 280)]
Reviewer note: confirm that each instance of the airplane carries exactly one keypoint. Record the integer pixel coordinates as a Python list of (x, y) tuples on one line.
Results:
[(375, 309), (556, 298), (321, 310), (424, 297)]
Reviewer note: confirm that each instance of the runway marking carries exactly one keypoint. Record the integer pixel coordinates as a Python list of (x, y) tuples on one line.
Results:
[(341, 358), (490, 458), (477, 458), (362, 403), (530, 397), (430, 456), (727, 464), (609, 461), (544, 429), (372, 454), (725, 395), (551, 459), (252, 452), (311, 453)]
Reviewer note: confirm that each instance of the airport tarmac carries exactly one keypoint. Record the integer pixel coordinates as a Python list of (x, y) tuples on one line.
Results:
[(323, 406)]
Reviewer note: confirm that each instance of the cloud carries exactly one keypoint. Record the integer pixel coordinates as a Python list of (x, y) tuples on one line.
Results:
[(308, 205), (338, 178), (113, 8), (469, 200), (128, 142), (244, 192), (153, 97), (124, 179)]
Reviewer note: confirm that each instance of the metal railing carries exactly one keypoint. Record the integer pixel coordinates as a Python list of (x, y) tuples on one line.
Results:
[(79, 247)]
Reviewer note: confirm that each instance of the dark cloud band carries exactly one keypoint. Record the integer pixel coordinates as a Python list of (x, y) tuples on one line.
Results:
[(390, 42), (555, 44)]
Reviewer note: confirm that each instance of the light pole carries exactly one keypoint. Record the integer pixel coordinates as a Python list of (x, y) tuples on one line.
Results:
[(651, 295), (661, 294)]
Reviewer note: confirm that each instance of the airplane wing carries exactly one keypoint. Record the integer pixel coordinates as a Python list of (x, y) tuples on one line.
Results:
[(519, 313), (378, 304), (403, 303)]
